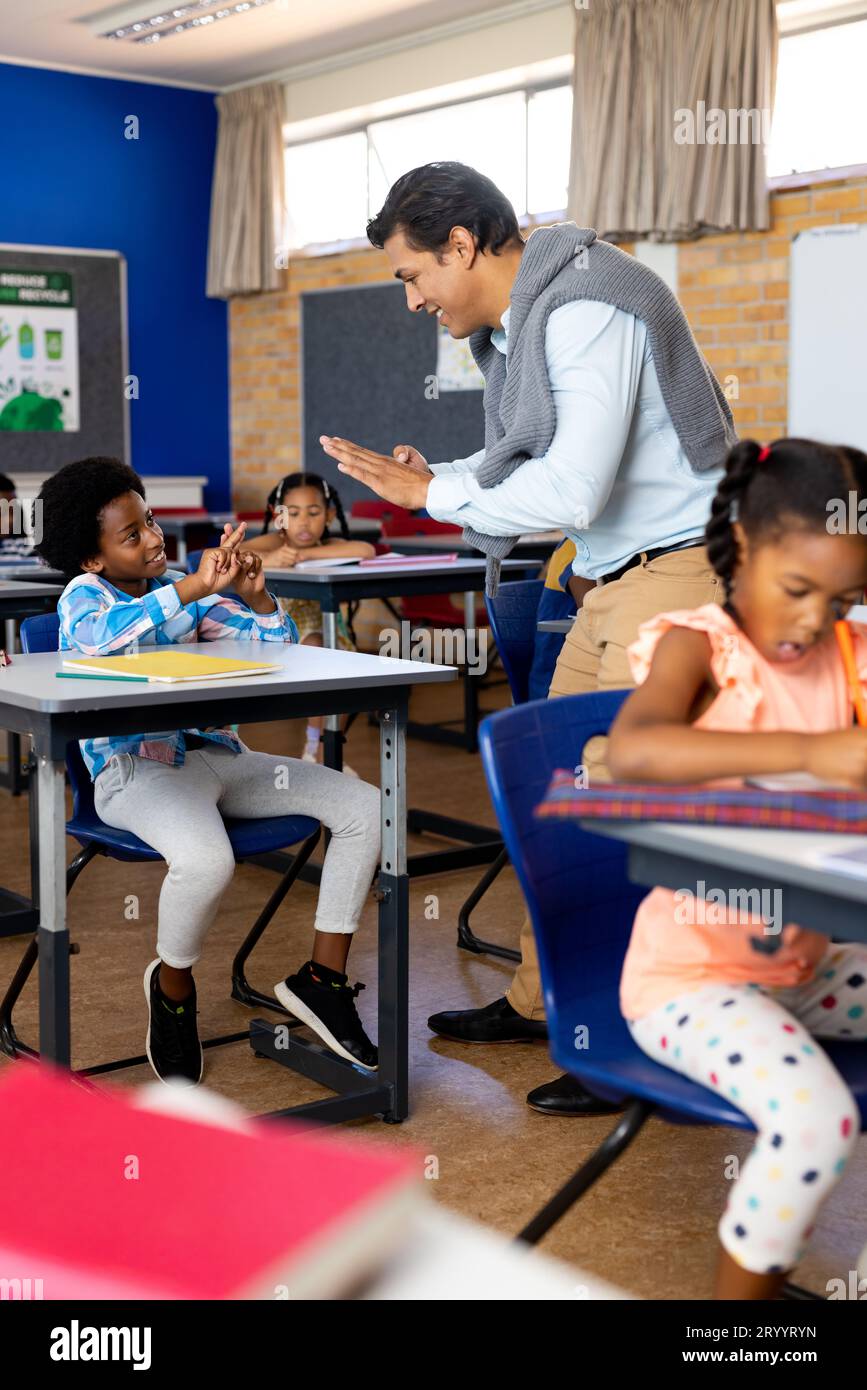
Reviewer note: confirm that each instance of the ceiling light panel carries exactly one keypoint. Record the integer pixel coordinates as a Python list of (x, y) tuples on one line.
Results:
[(179, 19)]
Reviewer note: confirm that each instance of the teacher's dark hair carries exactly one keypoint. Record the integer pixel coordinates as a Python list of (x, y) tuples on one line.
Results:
[(72, 502), (780, 487), (428, 201)]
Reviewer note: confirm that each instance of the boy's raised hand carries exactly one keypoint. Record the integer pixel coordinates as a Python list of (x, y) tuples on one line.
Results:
[(249, 582), (232, 536), (218, 566), (218, 570)]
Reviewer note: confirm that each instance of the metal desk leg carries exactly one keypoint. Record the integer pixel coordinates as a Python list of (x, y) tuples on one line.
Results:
[(471, 699), (332, 738), (13, 779), (54, 1033), (394, 917)]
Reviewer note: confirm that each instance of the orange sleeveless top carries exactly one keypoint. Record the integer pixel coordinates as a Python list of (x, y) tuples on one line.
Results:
[(677, 946)]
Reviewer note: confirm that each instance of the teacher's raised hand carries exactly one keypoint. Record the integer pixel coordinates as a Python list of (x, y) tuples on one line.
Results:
[(402, 479)]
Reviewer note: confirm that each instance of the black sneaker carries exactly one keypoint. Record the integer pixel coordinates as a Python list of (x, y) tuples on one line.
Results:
[(172, 1042), (327, 1005)]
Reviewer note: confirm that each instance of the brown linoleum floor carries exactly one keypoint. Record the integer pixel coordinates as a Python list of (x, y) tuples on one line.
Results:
[(648, 1225)]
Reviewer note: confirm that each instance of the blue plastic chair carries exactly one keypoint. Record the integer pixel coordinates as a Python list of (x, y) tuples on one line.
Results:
[(512, 615), (582, 907), (248, 838)]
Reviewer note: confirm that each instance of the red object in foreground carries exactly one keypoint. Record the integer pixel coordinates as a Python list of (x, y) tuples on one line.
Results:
[(103, 1199)]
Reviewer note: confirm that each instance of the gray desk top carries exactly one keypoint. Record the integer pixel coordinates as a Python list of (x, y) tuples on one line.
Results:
[(24, 571), (31, 681), (465, 565), (780, 854), (445, 541), (556, 625), (15, 588)]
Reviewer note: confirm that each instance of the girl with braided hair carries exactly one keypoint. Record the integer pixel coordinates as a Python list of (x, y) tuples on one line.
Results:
[(756, 686), (301, 508)]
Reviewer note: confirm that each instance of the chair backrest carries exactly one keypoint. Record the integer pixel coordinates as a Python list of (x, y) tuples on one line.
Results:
[(409, 525), (377, 510), (42, 634), (574, 883), (513, 622)]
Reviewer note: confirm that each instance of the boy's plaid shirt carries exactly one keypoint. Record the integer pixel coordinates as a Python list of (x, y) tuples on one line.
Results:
[(97, 619)]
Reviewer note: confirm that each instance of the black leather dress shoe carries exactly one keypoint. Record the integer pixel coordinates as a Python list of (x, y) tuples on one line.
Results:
[(566, 1096), (496, 1023)]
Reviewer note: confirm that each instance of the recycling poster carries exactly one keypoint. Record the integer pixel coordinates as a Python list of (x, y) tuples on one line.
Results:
[(38, 350)]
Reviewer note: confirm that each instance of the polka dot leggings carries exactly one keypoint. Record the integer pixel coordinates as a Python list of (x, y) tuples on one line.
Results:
[(755, 1046)]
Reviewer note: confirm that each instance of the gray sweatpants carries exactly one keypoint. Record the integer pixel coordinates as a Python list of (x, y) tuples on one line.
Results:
[(177, 810)]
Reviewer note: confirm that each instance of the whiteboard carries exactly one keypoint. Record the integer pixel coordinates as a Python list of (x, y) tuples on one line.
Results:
[(828, 335)]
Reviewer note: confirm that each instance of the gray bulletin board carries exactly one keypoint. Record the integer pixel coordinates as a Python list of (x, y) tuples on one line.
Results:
[(365, 364), (56, 369)]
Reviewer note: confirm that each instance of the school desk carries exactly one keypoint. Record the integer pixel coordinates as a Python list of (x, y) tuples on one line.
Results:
[(343, 584), (347, 583), (733, 857), (556, 624), (26, 571), (19, 600), (310, 681), (447, 1257)]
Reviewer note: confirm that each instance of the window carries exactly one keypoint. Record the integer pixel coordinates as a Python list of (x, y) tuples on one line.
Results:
[(549, 126), (490, 134), (520, 139), (326, 189), (820, 112)]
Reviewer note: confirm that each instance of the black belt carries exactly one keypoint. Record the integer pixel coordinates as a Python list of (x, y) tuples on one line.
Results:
[(647, 555)]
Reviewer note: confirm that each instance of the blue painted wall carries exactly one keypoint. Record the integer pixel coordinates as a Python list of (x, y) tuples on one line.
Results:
[(70, 178)]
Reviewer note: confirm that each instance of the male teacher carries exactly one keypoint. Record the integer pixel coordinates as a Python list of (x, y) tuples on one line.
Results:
[(602, 419)]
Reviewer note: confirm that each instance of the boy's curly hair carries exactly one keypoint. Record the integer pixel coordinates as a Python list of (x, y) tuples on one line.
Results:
[(72, 502)]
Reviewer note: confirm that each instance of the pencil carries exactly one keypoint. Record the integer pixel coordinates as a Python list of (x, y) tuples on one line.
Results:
[(847, 651)]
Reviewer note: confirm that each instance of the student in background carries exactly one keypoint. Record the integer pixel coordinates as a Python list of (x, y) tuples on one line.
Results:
[(757, 686), (14, 541), (172, 789), (301, 508)]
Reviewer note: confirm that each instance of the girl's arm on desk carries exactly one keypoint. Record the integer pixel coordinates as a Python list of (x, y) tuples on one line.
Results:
[(278, 555), (653, 738)]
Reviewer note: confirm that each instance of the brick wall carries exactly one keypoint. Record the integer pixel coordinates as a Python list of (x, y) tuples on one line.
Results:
[(734, 289), (265, 373), (735, 292)]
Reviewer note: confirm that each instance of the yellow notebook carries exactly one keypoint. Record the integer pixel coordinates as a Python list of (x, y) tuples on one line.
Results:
[(169, 666)]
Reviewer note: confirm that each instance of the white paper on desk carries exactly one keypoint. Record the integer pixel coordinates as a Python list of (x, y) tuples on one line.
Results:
[(794, 782), (852, 861), (326, 564)]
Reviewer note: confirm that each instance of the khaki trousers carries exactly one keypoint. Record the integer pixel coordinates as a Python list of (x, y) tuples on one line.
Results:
[(594, 658)]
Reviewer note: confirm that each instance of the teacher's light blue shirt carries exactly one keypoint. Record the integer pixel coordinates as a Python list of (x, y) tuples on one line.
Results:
[(615, 478)]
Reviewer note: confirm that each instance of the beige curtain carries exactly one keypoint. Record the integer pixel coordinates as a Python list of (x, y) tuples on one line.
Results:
[(247, 194), (657, 85)]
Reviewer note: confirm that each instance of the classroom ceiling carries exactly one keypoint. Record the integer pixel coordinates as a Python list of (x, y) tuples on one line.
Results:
[(281, 34)]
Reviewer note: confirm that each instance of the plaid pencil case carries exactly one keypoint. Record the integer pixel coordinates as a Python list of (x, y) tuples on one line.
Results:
[(840, 810)]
